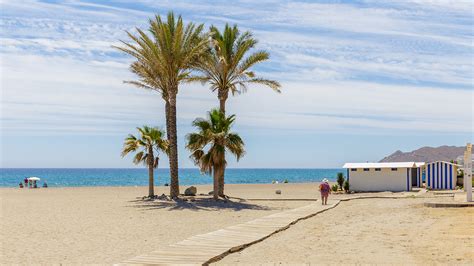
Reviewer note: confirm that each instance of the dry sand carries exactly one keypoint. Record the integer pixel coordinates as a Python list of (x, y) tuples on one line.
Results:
[(371, 231), (109, 224)]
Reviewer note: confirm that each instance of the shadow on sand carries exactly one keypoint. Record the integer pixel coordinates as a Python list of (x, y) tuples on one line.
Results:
[(198, 204)]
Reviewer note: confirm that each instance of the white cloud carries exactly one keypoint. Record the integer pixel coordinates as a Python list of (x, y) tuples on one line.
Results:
[(339, 64), (89, 98), (342, 107), (45, 94), (70, 10)]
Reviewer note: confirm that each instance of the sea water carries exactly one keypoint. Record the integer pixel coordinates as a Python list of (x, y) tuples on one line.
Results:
[(87, 177)]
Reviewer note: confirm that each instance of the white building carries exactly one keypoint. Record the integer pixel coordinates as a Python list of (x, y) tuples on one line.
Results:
[(397, 176)]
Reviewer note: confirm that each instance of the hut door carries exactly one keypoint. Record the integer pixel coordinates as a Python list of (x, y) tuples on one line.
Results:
[(414, 177)]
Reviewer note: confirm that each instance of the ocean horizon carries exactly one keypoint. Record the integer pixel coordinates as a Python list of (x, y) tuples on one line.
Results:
[(94, 177)]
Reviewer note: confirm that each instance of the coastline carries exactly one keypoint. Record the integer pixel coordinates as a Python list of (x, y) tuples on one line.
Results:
[(79, 177), (181, 186)]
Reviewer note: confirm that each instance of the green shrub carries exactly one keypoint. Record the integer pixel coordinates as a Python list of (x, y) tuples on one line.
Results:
[(340, 180), (334, 187), (346, 186)]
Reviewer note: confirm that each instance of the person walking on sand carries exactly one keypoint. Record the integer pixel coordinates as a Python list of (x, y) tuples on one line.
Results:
[(325, 190)]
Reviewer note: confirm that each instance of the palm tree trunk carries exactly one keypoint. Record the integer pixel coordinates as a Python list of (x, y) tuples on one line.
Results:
[(151, 181), (216, 182), (222, 95), (221, 182), (222, 105), (167, 117), (173, 149)]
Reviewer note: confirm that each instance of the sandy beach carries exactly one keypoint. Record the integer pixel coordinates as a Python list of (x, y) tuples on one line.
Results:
[(371, 231), (110, 224)]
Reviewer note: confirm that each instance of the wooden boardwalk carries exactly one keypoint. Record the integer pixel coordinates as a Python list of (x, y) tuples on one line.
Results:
[(210, 247)]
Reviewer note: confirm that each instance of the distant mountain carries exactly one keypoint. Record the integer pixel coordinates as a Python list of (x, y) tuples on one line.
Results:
[(426, 154)]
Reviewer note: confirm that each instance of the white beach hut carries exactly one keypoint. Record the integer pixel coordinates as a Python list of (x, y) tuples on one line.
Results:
[(396, 176), (441, 175)]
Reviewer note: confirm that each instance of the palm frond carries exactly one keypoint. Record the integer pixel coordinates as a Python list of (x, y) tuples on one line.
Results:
[(140, 157), (165, 54), (202, 124), (227, 67), (196, 156), (235, 145), (151, 138), (275, 85), (201, 79), (252, 60), (208, 146)]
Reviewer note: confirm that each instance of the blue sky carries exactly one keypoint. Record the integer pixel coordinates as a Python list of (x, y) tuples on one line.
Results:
[(360, 79)]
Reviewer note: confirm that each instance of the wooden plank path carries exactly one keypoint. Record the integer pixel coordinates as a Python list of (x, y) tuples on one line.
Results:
[(206, 248)]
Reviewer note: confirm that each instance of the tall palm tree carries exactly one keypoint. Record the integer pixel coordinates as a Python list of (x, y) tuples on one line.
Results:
[(227, 66), (151, 140), (164, 60), (215, 135)]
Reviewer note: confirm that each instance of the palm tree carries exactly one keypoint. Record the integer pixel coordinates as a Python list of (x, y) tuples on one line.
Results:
[(164, 60), (151, 140), (227, 66), (214, 133)]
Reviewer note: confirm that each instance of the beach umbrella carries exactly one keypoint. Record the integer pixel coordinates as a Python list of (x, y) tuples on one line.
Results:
[(34, 178)]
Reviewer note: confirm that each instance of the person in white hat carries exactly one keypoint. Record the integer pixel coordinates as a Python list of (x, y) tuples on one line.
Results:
[(325, 190)]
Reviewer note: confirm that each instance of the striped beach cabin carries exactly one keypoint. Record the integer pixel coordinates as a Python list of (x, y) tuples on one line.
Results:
[(441, 175)]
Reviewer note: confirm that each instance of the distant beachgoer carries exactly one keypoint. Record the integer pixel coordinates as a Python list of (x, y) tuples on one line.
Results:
[(325, 191), (26, 181), (30, 183), (45, 185), (34, 184), (21, 184)]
